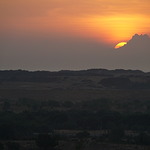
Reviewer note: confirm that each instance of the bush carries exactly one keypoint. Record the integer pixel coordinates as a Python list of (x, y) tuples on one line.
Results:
[(83, 134), (13, 146), (47, 141), (1, 146)]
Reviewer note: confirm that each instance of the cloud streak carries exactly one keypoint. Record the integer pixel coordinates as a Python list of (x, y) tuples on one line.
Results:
[(30, 8)]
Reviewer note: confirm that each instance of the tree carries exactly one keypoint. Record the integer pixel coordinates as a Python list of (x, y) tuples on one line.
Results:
[(117, 134), (82, 139), (6, 106), (13, 146), (47, 141), (143, 139), (1, 146), (6, 131), (83, 134)]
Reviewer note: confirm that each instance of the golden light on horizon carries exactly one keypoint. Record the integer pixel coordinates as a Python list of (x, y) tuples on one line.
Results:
[(121, 44), (118, 27)]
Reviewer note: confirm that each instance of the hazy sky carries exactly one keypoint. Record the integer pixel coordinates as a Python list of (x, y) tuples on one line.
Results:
[(70, 34)]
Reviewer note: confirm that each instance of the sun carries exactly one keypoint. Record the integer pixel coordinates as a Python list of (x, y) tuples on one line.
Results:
[(121, 44)]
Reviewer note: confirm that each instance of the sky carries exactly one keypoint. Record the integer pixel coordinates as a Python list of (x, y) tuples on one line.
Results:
[(68, 34)]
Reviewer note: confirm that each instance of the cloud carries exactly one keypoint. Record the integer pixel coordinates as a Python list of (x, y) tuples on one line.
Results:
[(28, 8), (141, 43), (135, 54)]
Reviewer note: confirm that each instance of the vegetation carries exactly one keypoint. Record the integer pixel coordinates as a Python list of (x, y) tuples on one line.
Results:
[(52, 110), (47, 141)]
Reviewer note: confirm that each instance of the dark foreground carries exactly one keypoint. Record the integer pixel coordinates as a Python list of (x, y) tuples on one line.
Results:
[(79, 110), (70, 145)]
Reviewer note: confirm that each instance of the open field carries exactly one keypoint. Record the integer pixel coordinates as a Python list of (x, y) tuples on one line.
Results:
[(41, 91)]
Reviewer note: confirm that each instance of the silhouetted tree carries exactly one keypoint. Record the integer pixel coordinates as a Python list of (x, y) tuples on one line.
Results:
[(1, 146), (6, 131), (13, 146), (143, 139), (83, 134), (117, 134), (47, 141), (6, 106)]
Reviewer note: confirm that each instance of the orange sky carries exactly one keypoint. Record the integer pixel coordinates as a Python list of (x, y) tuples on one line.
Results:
[(110, 21)]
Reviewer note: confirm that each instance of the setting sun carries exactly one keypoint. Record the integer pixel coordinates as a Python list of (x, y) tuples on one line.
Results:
[(121, 44), (65, 34)]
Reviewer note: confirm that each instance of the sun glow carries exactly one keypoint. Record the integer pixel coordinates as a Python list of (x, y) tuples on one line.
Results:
[(105, 21), (121, 44), (117, 28)]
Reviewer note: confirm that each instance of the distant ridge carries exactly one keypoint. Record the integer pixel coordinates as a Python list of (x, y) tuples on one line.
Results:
[(47, 76)]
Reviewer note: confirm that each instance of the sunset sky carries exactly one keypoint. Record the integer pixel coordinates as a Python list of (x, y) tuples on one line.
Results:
[(69, 34)]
